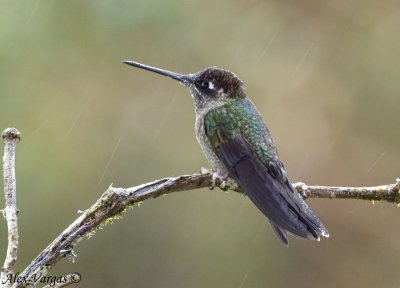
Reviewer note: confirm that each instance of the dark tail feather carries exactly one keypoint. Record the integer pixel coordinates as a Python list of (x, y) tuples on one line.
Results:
[(281, 234)]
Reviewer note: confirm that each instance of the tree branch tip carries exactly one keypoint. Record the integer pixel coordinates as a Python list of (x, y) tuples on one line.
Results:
[(11, 134), (396, 191)]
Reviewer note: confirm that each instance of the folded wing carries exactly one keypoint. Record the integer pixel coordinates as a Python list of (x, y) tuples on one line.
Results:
[(264, 182)]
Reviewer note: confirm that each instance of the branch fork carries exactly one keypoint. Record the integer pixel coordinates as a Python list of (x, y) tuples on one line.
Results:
[(114, 201)]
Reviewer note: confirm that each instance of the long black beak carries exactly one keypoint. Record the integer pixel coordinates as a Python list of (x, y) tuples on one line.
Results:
[(184, 79)]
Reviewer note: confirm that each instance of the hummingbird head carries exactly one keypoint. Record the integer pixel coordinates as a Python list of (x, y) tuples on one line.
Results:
[(213, 86), (210, 87)]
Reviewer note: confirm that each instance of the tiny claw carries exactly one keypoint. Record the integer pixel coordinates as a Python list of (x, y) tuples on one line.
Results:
[(214, 180), (219, 181), (224, 186), (206, 171)]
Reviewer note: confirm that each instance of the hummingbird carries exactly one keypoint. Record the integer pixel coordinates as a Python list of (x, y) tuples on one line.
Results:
[(240, 149)]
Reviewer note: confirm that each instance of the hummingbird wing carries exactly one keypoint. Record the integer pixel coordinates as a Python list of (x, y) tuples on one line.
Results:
[(240, 139)]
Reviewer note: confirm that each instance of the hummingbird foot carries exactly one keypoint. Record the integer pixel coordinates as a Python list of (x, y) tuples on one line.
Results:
[(218, 180)]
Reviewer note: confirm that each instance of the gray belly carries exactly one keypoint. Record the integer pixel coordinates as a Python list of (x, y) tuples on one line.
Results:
[(205, 145)]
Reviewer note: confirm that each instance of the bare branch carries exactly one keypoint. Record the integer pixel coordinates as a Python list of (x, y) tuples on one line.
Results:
[(389, 193), (115, 200), (107, 208), (11, 136)]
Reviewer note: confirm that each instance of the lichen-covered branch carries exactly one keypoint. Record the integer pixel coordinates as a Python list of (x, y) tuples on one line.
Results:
[(115, 200), (107, 208), (389, 193), (11, 136)]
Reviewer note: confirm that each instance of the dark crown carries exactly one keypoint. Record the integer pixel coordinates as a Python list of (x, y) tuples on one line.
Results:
[(222, 79)]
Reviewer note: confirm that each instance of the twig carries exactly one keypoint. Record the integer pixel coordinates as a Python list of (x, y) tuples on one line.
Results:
[(11, 136), (107, 208), (389, 193), (115, 200)]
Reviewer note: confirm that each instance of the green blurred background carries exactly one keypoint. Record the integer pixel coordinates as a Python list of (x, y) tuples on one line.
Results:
[(324, 74)]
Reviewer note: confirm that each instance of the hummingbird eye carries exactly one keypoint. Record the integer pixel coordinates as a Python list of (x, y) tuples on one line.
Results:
[(205, 85)]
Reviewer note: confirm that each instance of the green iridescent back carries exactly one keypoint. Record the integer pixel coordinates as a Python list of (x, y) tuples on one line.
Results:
[(240, 116)]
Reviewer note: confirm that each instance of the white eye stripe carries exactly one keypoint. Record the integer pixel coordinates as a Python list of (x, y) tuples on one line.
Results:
[(211, 85)]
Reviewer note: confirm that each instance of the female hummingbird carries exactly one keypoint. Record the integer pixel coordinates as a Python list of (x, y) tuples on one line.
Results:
[(239, 146)]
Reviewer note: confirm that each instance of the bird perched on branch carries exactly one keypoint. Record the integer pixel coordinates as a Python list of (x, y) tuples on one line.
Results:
[(239, 146)]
